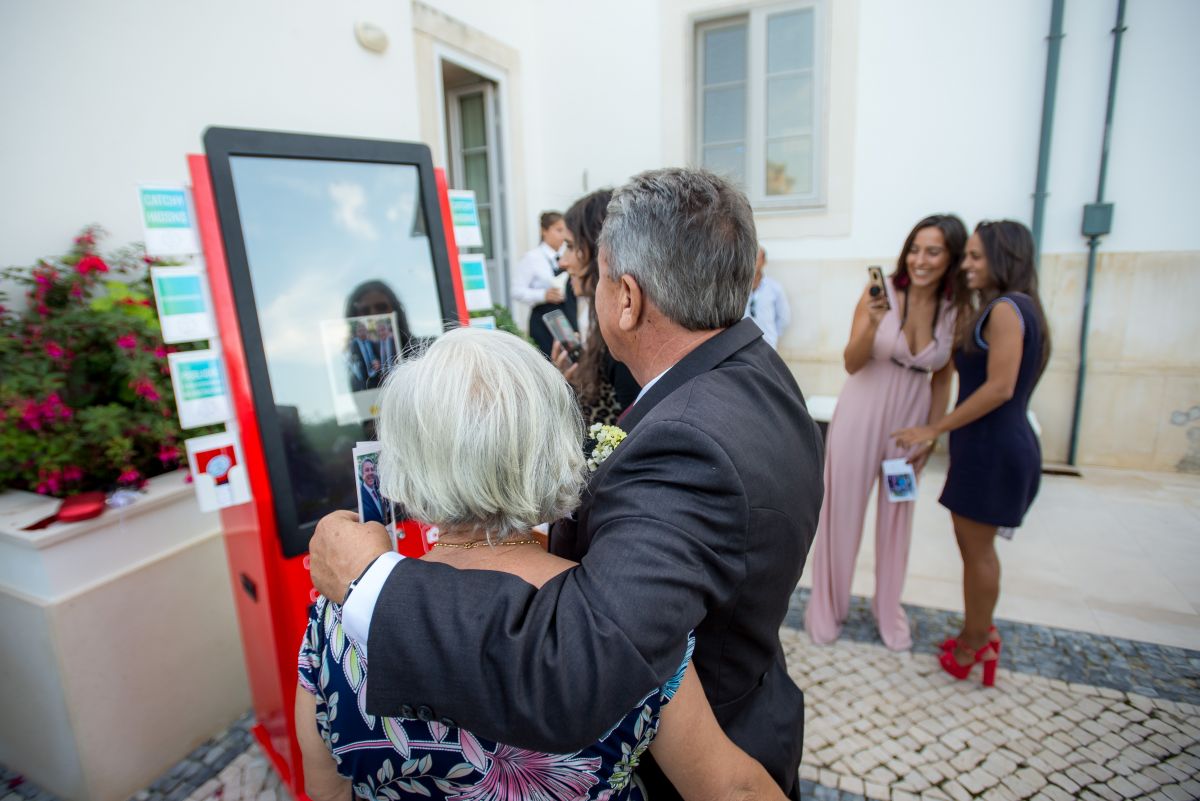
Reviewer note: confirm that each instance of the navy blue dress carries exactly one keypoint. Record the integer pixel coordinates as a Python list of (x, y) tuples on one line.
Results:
[(996, 461)]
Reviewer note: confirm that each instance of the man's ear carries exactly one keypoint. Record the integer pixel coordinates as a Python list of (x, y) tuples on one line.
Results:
[(631, 303)]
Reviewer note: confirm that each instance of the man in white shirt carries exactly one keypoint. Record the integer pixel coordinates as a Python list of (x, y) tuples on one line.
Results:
[(768, 304), (533, 283)]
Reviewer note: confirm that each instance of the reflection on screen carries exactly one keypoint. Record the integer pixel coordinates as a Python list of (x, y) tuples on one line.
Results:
[(344, 282)]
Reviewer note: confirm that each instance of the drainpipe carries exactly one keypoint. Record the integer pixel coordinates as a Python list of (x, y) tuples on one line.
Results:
[(1048, 96), (1097, 221)]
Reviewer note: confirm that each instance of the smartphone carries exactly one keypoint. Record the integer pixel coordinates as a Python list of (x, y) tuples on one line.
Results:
[(878, 283), (563, 333)]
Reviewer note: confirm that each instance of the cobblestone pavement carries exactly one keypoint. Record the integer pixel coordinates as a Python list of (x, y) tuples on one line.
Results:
[(1075, 656), (892, 726), (1073, 716)]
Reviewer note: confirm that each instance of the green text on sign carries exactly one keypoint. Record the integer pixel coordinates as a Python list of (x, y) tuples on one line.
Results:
[(200, 380), (462, 211), (165, 208), (180, 294)]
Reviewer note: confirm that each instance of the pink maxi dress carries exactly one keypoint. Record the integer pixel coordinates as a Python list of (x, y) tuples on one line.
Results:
[(882, 397)]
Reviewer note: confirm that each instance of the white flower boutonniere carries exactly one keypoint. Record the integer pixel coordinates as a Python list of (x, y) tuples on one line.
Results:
[(607, 439)]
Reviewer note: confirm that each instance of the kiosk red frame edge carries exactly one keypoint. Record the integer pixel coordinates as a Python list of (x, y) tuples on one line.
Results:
[(271, 593), (460, 298)]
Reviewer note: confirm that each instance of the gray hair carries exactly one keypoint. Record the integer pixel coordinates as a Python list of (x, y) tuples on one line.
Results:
[(687, 236), (481, 430)]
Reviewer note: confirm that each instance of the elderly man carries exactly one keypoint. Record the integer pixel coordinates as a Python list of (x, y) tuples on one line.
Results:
[(699, 520)]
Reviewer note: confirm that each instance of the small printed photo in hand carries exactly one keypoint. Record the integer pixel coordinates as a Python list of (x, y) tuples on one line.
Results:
[(359, 353), (901, 480), (372, 506)]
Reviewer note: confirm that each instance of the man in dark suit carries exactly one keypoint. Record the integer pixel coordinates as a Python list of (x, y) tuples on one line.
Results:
[(370, 500), (700, 520), (362, 359)]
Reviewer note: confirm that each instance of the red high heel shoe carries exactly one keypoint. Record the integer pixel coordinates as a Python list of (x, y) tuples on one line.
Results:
[(988, 655), (950, 643)]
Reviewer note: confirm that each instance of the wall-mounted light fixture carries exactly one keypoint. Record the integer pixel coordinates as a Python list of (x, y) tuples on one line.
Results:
[(371, 37)]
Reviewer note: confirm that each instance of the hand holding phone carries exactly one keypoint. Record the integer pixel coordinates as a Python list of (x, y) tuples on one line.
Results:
[(878, 285), (563, 333)]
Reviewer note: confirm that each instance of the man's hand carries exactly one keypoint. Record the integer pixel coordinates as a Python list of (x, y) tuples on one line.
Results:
[(554, 295), (340, 550)]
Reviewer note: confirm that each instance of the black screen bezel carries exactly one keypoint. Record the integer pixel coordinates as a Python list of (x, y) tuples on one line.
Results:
[(222, 143)]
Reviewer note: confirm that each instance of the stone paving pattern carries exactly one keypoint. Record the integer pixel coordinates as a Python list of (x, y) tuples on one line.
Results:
[(1073, 716), (1156, 671), (892, 726)]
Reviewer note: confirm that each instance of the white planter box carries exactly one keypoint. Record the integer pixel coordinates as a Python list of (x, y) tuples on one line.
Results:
[(121, 649)]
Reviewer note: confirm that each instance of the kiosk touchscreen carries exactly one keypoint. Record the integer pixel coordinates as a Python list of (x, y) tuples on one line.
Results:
[(329, 261), (336, 272)]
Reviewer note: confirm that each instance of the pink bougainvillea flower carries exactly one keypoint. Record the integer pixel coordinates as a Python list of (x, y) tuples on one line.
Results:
[(129, 476), (54, 350), (167, 454), (76, 291), (43, 309), (43, 488), (160, 352), (91, 264), (72, 472), (144, 388), (31, 415), (127, 342)]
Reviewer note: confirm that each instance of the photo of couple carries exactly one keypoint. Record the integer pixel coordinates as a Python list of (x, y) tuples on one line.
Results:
[(359, 354)]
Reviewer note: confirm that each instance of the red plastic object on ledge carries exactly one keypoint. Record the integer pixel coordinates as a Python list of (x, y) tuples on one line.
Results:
[(83, 506)]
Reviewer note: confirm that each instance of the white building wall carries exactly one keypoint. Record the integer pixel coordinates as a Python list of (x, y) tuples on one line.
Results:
[(934, 105), (99, 96)]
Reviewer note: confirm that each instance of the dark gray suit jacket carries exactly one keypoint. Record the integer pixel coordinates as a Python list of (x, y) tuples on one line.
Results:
[(701, 519)]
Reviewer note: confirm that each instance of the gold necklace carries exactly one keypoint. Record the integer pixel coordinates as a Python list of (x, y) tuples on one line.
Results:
[(474, 543)]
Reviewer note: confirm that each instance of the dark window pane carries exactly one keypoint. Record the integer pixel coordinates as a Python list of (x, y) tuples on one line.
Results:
[(474, 121), (475, 165)]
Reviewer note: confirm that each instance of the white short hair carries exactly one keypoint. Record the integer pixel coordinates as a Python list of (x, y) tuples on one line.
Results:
[(481, 430)]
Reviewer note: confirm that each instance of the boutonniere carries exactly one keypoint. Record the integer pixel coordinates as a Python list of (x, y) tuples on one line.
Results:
[(607, 439)]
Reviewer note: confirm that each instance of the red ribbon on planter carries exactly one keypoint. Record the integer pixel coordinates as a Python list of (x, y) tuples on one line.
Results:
[(83, 506)]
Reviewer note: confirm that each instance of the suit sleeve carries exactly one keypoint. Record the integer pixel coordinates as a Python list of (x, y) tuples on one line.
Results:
[(553, 669)]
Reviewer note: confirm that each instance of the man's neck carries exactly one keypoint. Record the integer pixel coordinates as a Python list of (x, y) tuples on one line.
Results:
[(663, 347)]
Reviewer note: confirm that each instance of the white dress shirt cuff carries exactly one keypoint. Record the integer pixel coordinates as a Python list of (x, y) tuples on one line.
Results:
[(360, 606)]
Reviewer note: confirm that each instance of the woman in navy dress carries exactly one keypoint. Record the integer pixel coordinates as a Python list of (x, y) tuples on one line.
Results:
[(995, 458)]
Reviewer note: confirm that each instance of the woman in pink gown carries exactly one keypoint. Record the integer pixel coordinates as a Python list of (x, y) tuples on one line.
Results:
[(900, 373)]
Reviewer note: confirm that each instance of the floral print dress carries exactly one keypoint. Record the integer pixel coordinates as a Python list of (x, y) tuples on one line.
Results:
[(393, 758)]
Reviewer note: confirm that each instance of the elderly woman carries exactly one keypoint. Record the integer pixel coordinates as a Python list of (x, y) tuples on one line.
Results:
[(457, 452)]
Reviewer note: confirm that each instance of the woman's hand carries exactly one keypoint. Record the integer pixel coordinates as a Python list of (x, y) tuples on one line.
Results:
[(568, 368), (918, 459), (923, 436), (554, 295), (877, 309)]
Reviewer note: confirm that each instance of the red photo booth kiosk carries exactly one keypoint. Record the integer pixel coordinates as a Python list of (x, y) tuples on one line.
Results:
[(322, 254)]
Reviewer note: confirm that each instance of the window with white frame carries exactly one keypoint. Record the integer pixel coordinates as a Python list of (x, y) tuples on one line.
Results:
[(758, 102)]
